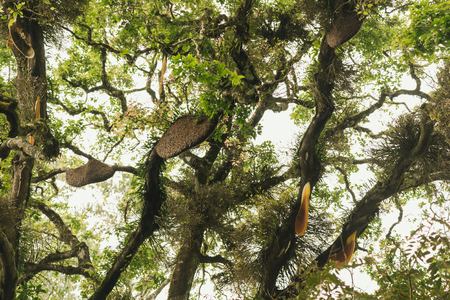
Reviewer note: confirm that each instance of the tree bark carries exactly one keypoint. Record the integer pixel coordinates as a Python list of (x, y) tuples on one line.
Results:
[(31, 84), (188, 260), (280, 249), (153, 199)]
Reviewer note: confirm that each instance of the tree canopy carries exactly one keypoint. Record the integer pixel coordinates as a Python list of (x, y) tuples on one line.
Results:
[(154, 106)]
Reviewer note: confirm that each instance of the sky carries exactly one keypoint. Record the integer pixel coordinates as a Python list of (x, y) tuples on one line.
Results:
[(282, 132)]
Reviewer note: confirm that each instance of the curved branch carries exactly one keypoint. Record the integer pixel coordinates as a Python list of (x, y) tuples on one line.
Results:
[(32, 269), (347, 184), (400, 218), (416, 91), (153, 199), (46, 175), (73, 111), (76, 150), (22, 145), (366, 209), (352, 121), (130, 59), (204, 259), (8, 108), (78, 249)]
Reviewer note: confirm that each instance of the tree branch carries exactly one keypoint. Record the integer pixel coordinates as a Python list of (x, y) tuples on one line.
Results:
[(347, 184), (204, 259), (366, 209), (400, 218), (78, 249), (130, 59), (76, 150), (73, 111), (46, 175), (22, 145), (32, 269), (153, 199)]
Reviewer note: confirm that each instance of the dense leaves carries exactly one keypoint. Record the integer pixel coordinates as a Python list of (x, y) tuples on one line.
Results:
[(365, 83)]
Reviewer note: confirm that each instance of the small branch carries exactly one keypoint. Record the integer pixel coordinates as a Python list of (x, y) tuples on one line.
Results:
[(112, 148), (306, 104), (347, 184), (130, 59), (108, 88), (73, 112), (369, 132), (355, 161), (268, 183), (352, 121), (159, 289), (416, 91), (46, 175), (400, 218), (76, 150), (402, 103)]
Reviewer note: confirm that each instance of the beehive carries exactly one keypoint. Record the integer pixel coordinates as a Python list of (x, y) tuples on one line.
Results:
[(185, 133), (346, 26), (93, 171)]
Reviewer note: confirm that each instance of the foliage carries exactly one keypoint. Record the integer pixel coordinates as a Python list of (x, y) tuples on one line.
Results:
[(372, 138)]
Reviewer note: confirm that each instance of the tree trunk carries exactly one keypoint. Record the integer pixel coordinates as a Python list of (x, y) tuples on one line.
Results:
[(188, 260), (31, 85)]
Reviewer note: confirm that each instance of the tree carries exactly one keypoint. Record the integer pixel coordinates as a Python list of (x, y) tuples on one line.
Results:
[(174, 94)]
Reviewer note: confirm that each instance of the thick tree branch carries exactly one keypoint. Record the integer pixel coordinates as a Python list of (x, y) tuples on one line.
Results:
[(32, 269), (22, 145), (8, 108), (204, 259), (366, 209), (153, 199), (275, 256), (191, 159)]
